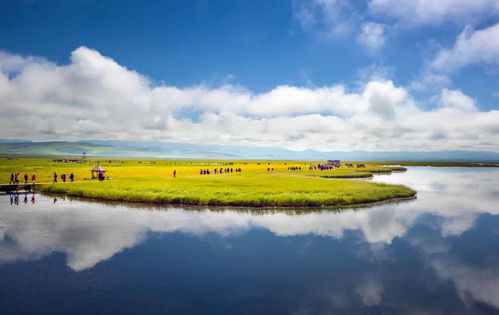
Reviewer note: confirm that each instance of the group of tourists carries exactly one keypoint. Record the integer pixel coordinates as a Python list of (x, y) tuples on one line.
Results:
[(219, 171), (335, 163), (15, 179), (64, 177), (294, 168), (323, 167)]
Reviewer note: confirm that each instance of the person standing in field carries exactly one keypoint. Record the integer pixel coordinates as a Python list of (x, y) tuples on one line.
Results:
[(72, 177), (11, 178), (174, 173), (33, 178), (25, 178), (63, 177), (17, 178), (55, 177)]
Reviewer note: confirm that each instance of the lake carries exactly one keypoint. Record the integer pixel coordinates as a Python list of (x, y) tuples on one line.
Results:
[(436, 254)]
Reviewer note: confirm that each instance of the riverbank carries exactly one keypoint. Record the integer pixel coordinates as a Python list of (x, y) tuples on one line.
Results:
[(246, 191)]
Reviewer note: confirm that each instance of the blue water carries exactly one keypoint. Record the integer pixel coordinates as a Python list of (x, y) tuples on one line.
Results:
[(436, 254)]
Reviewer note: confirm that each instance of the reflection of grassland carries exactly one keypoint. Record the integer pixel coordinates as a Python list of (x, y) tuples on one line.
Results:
[(441, 164), (152, 181)]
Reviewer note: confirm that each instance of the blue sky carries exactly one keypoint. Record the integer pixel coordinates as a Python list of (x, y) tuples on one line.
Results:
[(251, 48)]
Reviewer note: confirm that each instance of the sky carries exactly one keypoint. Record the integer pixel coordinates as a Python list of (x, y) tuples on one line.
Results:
[(376, 75)]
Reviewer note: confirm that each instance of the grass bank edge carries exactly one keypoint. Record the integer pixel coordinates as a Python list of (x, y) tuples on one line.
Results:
[(310, 199)]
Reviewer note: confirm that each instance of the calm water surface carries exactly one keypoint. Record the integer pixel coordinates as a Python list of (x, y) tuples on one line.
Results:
[(438, 254)]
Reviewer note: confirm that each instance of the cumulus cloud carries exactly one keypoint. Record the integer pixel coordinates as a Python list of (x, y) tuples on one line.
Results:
[(471, 47), (95, 97), (429, 12), (458, 100), (372, 36)]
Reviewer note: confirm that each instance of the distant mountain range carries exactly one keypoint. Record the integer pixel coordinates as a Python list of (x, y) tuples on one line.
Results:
[(137, 149)]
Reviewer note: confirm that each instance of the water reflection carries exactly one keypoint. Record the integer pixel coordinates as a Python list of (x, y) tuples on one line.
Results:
[(450, 204), (14, 198)]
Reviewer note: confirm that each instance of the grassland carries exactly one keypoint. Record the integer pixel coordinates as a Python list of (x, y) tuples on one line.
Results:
[(151, 181)]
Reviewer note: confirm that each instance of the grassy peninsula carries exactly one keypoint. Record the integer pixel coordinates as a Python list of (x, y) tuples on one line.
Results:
[(259, 184)]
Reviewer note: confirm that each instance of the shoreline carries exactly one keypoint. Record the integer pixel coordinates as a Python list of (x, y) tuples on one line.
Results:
[(356, 205)]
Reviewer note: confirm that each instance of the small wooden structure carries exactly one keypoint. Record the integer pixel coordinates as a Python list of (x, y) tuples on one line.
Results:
[(96, 171)]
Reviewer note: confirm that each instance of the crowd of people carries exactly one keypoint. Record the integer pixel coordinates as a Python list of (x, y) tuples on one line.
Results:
[(294, 168), (219, 171), (324, 167)]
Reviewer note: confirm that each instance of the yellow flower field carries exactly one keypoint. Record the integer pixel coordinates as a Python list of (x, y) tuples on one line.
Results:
[(259, 184)]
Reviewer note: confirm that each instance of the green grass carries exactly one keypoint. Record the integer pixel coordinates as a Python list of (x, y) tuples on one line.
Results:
[(151, 181), (237, 190)]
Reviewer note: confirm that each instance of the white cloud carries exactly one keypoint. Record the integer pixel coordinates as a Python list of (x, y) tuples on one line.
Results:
[(471, 47), (430, 81), (434, 12), (375, 73), (458, 100), (328, 18), (372, 36), (93, 97), (339, 18)]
